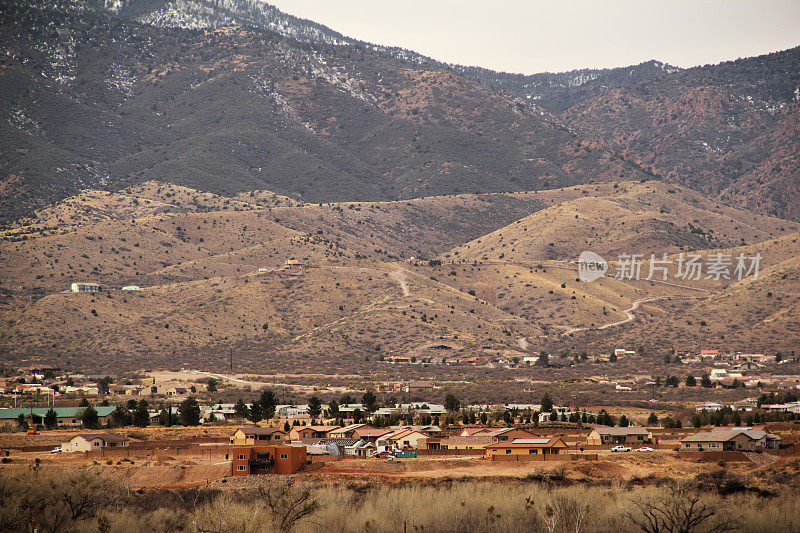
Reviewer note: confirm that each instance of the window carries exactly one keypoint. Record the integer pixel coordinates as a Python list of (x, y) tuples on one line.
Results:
[(508, 451), (241, 457), (531, 451), (241, 468), (284, 456)]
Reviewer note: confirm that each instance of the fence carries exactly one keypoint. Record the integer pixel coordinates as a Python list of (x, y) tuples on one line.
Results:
[(478, 452), (545, 457)]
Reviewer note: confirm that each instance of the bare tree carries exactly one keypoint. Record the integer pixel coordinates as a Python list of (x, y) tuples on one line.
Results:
[(288, 503), (679, 510)]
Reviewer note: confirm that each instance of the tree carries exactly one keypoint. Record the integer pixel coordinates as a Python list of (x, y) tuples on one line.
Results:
[(89, 418), (255, 414), (50, 419), (131, 405), (691, 381), (667, 359), (286, 427), (612, 358), (369, 400), (84, 402), (623, 421), (240, 409), (268, 401), (547, 403), (357, 416), (543, 360), (314, 407), (553, 416), (288, 503), (333, 409), (680, 509), (211, 385), (121, 417), (189, 411), (103, 385), (141, 416), (652, 420), (705, 381), (451, 402), (22, 421)]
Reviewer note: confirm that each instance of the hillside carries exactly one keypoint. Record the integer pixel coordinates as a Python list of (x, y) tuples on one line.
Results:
[(560, 91), (210, 270), (728, 130), (107, 103), (643, 218)]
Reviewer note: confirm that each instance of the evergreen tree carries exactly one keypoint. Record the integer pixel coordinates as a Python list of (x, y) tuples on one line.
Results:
[(189, 411), (547, 403), (121, 417), (240, 409), (267, 402), (623, 421), (333, 409), (141, 416), (89, 418), (50, 419), (369, 401), (255, 413), (652, 420), (691, 381), (451, 402), (314, 407), (705, 381)]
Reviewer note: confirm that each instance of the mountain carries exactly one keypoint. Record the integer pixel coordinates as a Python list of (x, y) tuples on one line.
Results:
[(91, 100), (557, 92), (728, 130), (198, 14)]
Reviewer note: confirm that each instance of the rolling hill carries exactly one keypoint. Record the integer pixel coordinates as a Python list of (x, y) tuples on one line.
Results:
[(213, 284)]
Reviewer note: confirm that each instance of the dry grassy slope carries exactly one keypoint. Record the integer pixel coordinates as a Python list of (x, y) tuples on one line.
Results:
[(649, 217), (759, 315), (753, 315), (328, 314)]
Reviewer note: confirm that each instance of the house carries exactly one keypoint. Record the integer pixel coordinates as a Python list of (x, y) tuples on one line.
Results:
[(65, 416), (257, 460), (708, 406), (357, 431), (618, 435), (360, 448), (519, 448), (735, 439), (310, 432), (94, 441), (85, 287), (292, 263), (459, 443), (431, 431), (403, 439), (252, 436), (131, 288), (498, 434)]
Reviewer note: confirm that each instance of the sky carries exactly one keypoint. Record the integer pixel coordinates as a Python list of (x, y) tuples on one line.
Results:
[(558, 35)]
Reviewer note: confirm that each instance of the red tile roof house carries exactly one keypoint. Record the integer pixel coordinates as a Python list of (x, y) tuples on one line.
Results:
[(310, 432), (257, 460)]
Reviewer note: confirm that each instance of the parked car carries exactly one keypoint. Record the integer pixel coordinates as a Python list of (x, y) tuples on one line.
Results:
[(57, 449), (384, 454), (644, 449), (620, 449)]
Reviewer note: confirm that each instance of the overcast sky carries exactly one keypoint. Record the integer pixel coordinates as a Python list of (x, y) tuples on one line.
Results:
[(535, 36)]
